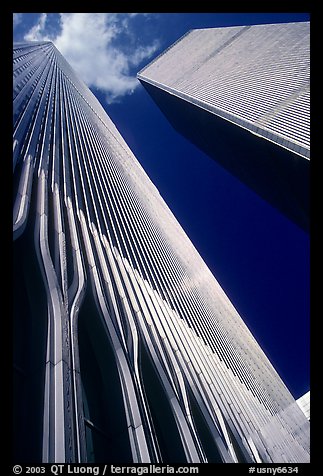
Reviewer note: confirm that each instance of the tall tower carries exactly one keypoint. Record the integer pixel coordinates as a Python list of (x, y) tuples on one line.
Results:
[(126, 347), (242, 94)]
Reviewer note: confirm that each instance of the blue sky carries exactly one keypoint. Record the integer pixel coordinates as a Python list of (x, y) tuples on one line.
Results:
[(259, 257)]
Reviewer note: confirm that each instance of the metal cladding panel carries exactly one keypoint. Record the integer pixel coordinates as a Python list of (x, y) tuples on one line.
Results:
[(304, 403), (257, 77), (128, 297)]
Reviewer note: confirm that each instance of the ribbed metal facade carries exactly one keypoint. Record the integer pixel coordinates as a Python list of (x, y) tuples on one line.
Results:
[(257, 77), (242, 95), (126, 347), (304, 403)]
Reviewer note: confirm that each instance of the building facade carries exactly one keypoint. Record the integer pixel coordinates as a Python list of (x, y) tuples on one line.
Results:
[(304, 403), (126, 348), (242, 94)]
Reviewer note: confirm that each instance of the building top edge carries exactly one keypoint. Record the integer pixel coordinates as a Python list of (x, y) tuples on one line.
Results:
[(251, 24), (140, 73), (31, 43), (163, 52)]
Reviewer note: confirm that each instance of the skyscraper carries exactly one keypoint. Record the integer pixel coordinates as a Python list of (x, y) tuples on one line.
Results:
[(304, 403), (126, 347), (242, 94)]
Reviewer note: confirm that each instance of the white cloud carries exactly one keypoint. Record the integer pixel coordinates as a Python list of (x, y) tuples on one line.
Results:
[(101, 47), (37, 32)]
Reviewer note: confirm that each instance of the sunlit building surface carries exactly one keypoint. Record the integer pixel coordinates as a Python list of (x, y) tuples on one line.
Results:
[(304, 403), (126, 348), (242, 94)]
